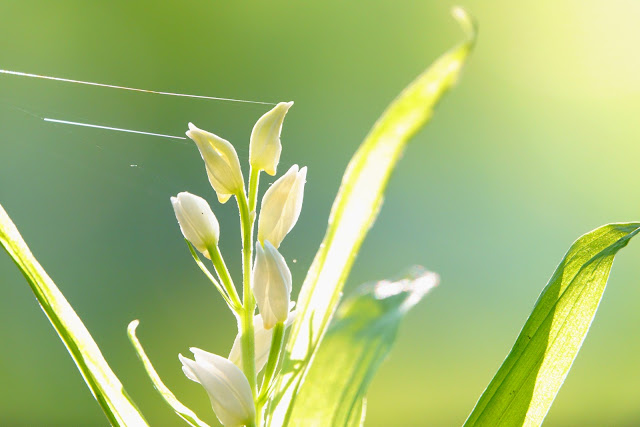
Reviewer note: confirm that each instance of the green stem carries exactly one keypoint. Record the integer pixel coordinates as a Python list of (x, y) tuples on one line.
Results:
[(223, 274), (254, 179), (247, 209), (277, 341), (249, 305)]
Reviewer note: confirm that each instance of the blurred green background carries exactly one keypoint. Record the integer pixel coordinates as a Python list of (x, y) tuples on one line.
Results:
[(537, 145)]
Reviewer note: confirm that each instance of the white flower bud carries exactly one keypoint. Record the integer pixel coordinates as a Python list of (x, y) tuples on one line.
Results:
[(221, 161), (262, 342), (281, 206), (197, 222), (226, 385), (265, 147), (271, 284)]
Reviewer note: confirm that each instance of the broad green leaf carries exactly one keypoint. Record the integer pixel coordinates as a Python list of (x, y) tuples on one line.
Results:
[(183, 412), (354, 211), (523, 390), (359, 338), (100, 379)]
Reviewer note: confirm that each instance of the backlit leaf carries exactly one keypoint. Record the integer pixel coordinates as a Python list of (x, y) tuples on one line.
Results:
[(358, 340), (354, 211), (100, 379), (526, 384)]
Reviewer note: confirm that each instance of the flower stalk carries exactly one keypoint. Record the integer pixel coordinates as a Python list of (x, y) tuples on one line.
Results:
[(254, 182), (246, 207), (248, 303)]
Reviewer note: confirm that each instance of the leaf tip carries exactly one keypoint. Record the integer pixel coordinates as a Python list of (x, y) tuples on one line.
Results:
[(467, 22), (131, 329)]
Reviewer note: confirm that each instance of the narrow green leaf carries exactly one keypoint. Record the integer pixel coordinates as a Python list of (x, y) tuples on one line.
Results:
[(358, 414), (213, 280), (526, 384), (359, 338), (183, 412), (100, 379), (355, 210)]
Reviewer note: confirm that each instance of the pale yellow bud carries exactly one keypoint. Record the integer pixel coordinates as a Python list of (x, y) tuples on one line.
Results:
[(221, 162), (281, 206), (265, 146), (197, 222)]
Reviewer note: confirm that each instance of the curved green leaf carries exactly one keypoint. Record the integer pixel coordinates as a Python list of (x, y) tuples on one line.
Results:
[(526, 384), (358, 340), (183, 412), (100, 379), (354, 211)]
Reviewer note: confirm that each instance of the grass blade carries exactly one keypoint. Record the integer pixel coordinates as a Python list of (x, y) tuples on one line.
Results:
[(183, 412), (355, 208), (100, 379), (529, 379), (359, 339)]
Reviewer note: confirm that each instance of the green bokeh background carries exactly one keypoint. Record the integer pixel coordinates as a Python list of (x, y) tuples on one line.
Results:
[(537, 145)]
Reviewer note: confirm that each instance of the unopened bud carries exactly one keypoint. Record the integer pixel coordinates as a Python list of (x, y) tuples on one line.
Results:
[(265, 146), (197, 222), (221, 161), (281, 206), (271, 284)]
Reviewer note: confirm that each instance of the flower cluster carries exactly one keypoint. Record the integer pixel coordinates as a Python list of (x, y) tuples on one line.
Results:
[(231, 382)]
